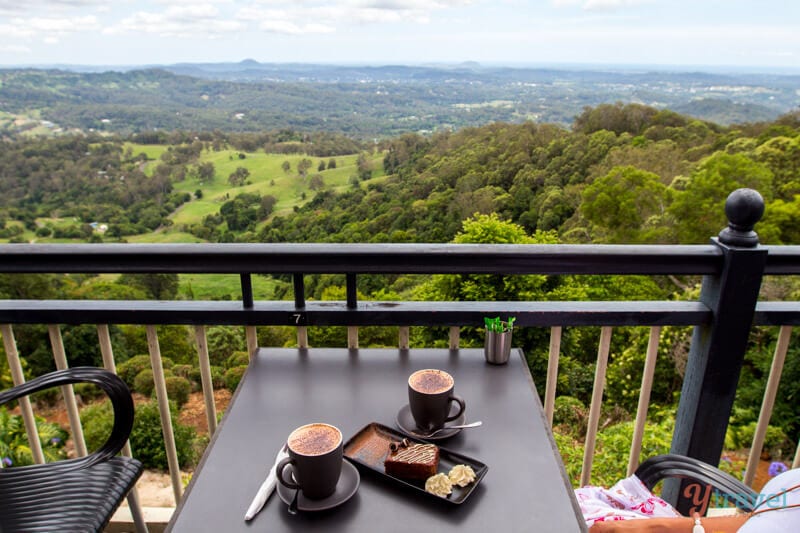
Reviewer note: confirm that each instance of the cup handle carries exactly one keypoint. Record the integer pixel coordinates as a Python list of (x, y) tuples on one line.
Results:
[(461, 407), (279, 473)]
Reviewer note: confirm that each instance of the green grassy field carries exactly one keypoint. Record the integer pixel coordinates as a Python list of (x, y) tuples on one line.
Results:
[(152, 151), (266, 177), (174, 237), (222, 287), (212, 286)]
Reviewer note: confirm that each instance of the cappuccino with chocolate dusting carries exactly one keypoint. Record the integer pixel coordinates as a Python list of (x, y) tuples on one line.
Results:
[(314, 439), (430, 381)]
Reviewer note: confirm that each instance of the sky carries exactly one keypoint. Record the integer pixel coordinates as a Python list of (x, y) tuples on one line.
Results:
[(760, 34)]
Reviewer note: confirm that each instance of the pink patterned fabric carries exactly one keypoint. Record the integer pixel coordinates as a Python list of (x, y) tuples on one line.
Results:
[(628, 499)]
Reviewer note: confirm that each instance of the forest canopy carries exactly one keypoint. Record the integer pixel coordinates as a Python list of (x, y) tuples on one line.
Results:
[(620, 174)]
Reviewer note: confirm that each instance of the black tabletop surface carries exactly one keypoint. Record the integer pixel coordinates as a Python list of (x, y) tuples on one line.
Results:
[(525, 488)]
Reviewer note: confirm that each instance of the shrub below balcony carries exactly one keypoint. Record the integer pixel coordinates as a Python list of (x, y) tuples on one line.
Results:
[(129, 369), (147, 440), (233, 376), (178, 389), (14, 448), (237, 359)]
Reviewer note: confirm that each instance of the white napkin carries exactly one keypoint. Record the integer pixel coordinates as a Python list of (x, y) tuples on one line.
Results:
[(266, 488)]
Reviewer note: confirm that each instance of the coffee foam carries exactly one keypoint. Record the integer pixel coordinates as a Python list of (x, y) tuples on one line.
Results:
[(430, 381), (314, 439)]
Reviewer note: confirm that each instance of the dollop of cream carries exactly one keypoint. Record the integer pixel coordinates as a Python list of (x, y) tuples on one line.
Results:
[(461, 475), (440, 485)]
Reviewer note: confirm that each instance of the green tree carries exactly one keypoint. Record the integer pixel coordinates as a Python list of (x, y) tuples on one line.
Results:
[(242, 212), (303, 166), (30, 286), (205, 172), (316, 182), (286, 166), (698, 207), (239, 176), (665, 158), (620, 204), (155, 286), (782, 156), (364, 166), (223, 341), (552, 207), (266, 206), (101, 289), (780, 222), (488, 229), (619, 118)]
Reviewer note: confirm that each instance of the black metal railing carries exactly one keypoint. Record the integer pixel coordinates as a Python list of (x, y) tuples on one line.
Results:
[(732, 265)]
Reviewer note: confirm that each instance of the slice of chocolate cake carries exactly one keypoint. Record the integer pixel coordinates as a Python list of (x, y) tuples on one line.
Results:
[(412, 461)]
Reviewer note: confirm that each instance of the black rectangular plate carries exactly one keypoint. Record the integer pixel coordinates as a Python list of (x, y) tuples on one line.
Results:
[(370, 446)]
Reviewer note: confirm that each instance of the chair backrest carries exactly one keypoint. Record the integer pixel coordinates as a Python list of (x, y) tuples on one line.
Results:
[(74, 494), (704, 476), (114, 387)]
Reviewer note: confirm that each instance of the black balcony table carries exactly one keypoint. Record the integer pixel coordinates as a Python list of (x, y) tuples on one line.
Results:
[(525, 489)]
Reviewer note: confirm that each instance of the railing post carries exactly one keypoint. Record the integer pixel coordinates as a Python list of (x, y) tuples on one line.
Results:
[(70, 403), (454, 337), (28, 418), (552, 374), (718, 348), (300, 304), (164, 411), (247, 291), (134, 504), (205, 377), (352, 303)]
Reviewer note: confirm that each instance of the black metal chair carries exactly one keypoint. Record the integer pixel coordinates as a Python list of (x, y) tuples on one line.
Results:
[(656, 468), (76, 495)]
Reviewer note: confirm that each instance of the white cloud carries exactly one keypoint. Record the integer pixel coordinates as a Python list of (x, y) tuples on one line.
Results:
[(183, 20), (190, 18), (599, 5), (14, 48), (19, 7), (282, 16), (63, 25), (192, 2), (410, 5), (610, 5), (290, 28), (192, 11), (47, 27)]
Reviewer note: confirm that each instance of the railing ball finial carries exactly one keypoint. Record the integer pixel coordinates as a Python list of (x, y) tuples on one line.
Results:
[(744, 207)]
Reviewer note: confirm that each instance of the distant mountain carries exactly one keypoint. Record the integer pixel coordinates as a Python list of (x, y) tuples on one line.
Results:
[(251, 70), (724, 111), (372, 101)]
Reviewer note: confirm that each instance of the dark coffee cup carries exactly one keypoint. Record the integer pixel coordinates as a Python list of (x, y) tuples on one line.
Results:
[(315, 453), (430, 394)]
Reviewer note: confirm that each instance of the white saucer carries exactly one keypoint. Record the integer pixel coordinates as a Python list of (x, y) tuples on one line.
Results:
[(347, 486), (405, 421)]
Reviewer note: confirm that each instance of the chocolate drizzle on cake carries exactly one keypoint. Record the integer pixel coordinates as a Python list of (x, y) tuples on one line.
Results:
[(412, 460), (416, 453)]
